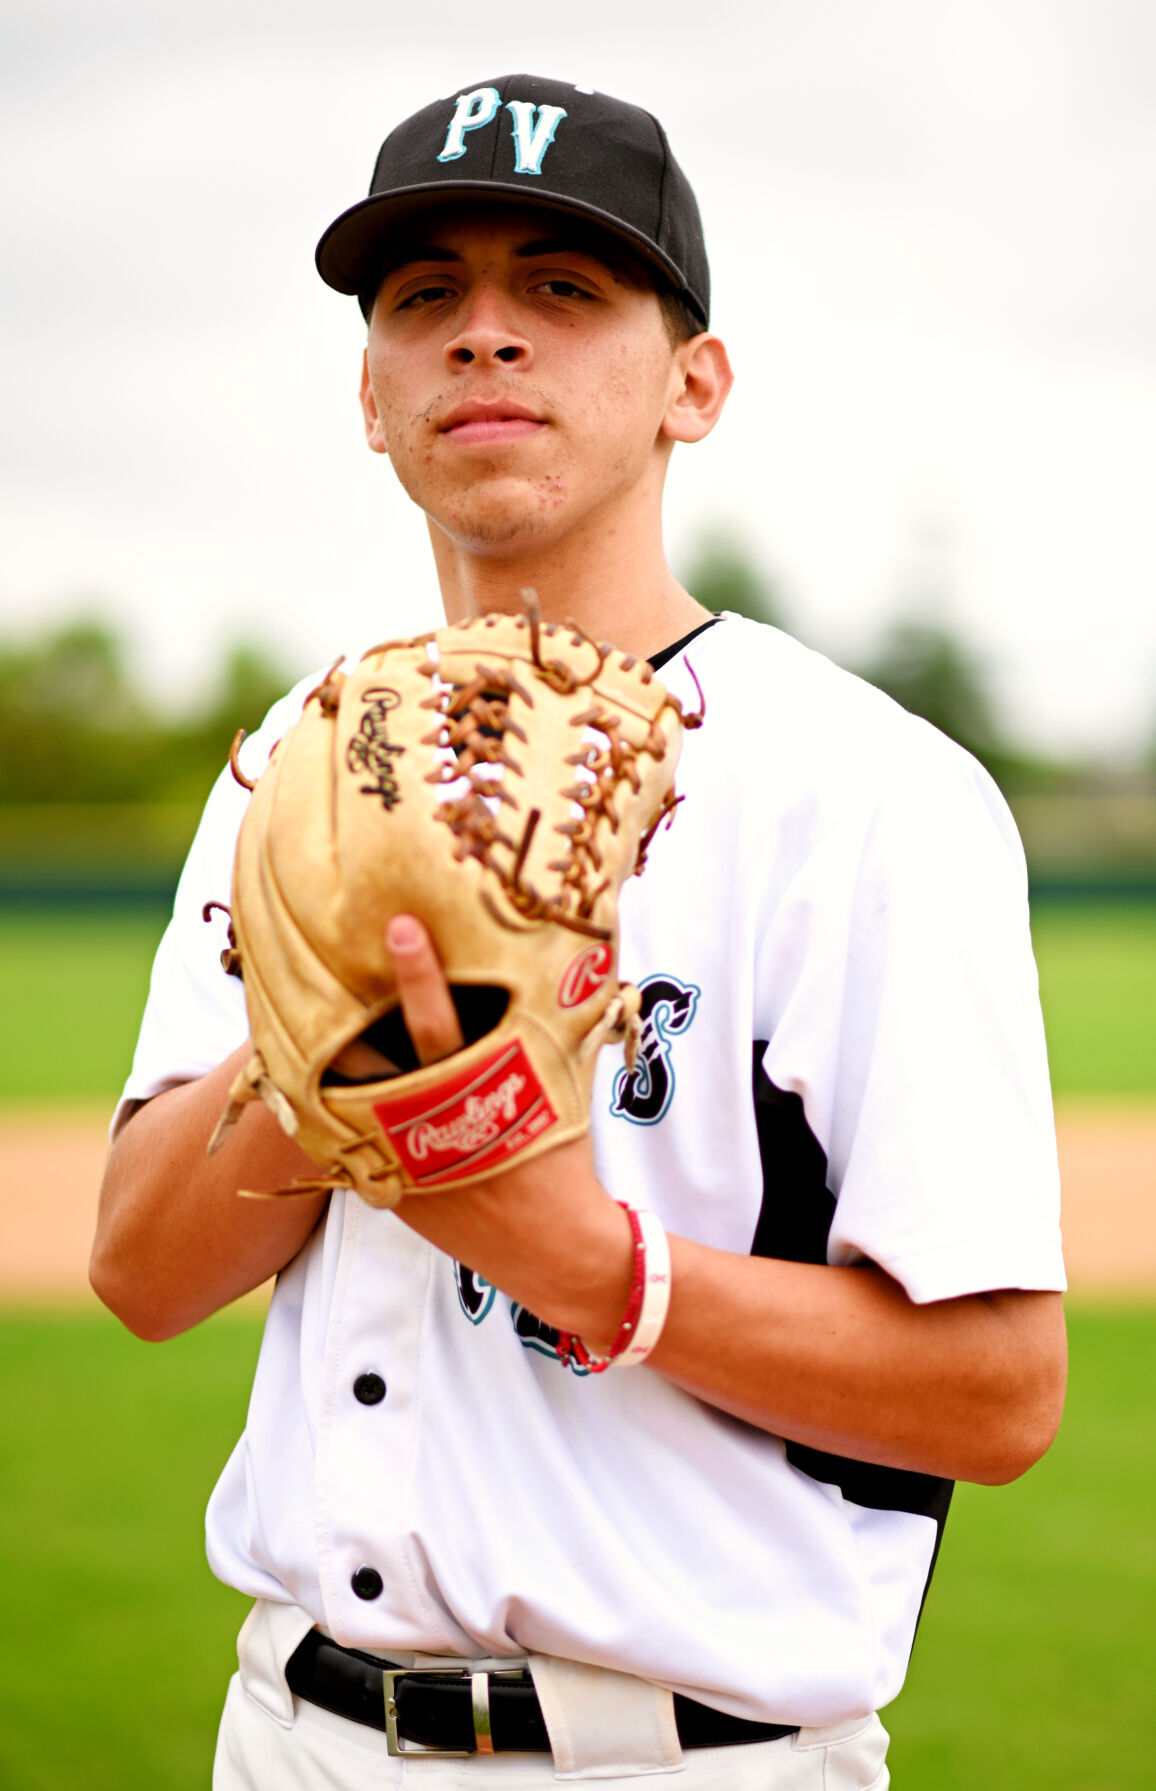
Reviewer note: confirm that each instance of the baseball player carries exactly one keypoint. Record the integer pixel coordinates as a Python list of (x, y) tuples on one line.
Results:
[(460, 1541)]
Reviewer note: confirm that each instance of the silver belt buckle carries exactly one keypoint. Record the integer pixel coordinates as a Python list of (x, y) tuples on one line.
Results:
[(480, 1693), (395, 1743)]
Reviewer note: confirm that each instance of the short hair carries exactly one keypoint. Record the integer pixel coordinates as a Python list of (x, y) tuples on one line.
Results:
[(679, 319)]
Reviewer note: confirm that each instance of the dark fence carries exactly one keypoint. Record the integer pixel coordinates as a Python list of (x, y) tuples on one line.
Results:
[(68, 855)]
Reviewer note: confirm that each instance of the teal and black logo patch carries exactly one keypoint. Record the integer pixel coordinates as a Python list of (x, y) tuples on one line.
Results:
[(475, 1293), (643, 1095)]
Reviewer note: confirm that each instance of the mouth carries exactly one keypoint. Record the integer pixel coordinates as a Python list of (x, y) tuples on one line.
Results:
[(485, 422)]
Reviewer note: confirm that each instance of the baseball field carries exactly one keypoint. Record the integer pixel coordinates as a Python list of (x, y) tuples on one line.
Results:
[(1035, 1660)]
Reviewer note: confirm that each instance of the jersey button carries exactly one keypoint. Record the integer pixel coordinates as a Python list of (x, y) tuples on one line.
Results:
[(369, 1388), (367, 1583)]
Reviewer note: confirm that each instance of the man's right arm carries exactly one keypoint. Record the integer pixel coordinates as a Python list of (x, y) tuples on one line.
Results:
[(174, 1239)]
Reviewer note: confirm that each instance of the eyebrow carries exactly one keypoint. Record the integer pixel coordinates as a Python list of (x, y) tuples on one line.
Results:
[(531, 251), (557, 245), (408, 252)]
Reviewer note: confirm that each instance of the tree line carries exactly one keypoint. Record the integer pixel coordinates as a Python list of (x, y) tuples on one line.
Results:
[(925, 664), (76, 727)]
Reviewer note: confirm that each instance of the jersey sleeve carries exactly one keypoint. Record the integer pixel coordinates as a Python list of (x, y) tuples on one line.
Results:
[(195, 1013), (912, 1030)]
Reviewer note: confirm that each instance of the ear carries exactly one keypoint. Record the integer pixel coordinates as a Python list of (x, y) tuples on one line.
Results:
[(374, 433), (701, 378)]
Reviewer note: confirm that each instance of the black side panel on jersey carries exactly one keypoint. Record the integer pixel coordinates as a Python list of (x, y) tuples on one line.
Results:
[(794, 1225)]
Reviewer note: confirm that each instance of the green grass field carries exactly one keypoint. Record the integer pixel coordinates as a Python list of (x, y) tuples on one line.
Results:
[(1032, 1672), (1098, 988), (117, 1643), (1034, 1667), (76, 982)]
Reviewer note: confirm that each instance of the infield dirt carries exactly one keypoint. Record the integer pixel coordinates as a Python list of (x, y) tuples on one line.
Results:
[(51, 1162)]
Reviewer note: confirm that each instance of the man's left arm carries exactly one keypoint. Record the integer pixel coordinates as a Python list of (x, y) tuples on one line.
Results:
[(837, 1358)]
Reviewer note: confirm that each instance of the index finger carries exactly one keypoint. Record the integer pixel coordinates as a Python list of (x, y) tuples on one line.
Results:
[(426, 1002)]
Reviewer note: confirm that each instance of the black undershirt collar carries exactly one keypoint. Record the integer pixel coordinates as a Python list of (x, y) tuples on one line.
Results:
[(658, 660)]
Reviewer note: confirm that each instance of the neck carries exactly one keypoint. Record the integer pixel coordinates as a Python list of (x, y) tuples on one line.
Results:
[(616, 585)]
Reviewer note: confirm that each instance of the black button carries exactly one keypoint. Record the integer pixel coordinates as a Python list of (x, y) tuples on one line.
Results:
[(367, 1583), (369, 1388)]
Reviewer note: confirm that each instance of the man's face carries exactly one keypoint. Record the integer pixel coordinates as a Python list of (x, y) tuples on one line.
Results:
[(517, 378)]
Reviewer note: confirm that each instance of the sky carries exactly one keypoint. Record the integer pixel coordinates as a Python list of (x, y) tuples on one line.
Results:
[(934, 266)]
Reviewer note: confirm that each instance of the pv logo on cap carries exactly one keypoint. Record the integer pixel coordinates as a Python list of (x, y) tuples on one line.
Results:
[(532, 127)]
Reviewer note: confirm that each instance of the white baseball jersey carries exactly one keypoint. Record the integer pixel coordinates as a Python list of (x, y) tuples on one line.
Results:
[(843, 1060)]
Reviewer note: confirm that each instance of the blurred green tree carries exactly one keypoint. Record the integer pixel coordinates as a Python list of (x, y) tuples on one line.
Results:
[(74, 728), (71, 726), (723, 573), (248, 683), (935, 673), (78, 669), (194, 750)]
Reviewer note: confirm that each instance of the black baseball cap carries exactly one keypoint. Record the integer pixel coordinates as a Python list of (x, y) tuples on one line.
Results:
[(523, 138)]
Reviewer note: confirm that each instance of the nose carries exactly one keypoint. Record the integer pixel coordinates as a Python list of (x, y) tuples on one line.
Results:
[(487, 332)]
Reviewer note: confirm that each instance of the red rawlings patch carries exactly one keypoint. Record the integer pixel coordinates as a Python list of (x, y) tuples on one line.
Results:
[(584, 974), (470, 1123)]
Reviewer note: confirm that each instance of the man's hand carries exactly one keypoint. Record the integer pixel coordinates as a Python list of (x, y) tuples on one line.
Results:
[(838, 1358), (547, 1233)]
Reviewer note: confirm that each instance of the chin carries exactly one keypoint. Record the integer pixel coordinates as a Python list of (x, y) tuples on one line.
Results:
[(490, 528)]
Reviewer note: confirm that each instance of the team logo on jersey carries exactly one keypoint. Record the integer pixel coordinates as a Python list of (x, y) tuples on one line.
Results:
[(643, 1094), (532, 127), (475, 1293), (533, 1334), (476, 1297)]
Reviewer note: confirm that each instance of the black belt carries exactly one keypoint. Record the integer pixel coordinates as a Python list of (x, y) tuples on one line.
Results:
[(446, 1711)]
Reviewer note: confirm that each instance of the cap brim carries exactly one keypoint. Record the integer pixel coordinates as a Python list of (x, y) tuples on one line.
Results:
[(352, 250)]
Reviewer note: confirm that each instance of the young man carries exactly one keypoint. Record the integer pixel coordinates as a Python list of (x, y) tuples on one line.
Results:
[(713, 1563)]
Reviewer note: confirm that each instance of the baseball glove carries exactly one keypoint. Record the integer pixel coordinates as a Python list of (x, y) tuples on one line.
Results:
[(500, 780)]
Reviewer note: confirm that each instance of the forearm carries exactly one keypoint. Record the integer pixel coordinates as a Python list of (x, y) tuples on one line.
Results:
[(842, 1360), (837, 1358), (174, 1239)]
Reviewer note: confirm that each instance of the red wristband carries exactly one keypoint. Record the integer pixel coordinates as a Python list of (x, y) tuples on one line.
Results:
[(570, 1348)]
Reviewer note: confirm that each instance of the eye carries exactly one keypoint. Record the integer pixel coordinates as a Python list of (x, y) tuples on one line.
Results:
[(429, 294), (559, 286)]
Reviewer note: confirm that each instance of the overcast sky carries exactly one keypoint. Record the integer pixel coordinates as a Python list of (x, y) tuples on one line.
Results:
[(931, 230)]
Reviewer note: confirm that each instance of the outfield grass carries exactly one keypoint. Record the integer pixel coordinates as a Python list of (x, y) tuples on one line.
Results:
[(1033, 1669), (1098, 987), (117, 1643), (76, 983)]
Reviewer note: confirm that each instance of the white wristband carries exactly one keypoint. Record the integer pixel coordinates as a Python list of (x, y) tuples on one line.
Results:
[(655, 1292)]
